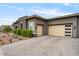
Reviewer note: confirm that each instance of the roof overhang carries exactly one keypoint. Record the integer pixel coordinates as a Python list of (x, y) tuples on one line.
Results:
[(65, 16)]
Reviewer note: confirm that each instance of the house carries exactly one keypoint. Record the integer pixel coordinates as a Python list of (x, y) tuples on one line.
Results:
[(67, 25)]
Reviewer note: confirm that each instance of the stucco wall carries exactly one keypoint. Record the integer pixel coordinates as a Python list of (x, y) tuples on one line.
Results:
[(72, 20), (42, 22), (24, 23)]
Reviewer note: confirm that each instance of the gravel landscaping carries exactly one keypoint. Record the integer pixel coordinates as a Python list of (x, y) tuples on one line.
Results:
[(43, 46), (6, 39)]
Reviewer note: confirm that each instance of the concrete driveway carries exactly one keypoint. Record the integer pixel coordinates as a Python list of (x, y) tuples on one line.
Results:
[(43, 46)]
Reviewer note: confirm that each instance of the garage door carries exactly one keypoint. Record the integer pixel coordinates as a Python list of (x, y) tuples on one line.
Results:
[(39, 30), (60, 30)]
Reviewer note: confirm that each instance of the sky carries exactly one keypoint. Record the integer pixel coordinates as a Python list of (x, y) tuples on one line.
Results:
[(10, 12)]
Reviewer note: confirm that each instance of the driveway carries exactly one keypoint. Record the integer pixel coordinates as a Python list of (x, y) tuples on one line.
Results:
[(43, 46)]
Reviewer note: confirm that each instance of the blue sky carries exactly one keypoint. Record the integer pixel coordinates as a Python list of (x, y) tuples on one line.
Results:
[(10, 12)]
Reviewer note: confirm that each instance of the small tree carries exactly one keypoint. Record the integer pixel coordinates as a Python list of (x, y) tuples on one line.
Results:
[(7, 29)]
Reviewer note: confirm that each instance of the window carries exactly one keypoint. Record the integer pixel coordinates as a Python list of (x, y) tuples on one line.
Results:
[(67, 35), (67, 28), (67, 32), (68, 25), (31, 25)]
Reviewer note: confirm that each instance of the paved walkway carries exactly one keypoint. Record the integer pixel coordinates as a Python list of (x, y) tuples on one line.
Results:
[(43, 46)]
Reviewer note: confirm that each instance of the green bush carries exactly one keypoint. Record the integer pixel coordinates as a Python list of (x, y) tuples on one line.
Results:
[(24, 32), (29, 33), (17, 31)]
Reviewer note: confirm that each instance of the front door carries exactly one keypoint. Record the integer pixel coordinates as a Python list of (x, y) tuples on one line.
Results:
[(39, 30)]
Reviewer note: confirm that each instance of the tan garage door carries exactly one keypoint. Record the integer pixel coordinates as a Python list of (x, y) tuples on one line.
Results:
[(61, 30), (57, 30), (39, 30)]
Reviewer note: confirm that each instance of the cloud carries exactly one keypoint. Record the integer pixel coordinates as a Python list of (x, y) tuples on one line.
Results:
[(40, 11), (9, 6), (71, 4), (67, 4), (48, 12)]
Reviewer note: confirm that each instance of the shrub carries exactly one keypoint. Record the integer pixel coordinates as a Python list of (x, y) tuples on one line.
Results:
[(29, 33), (24, 32), (17, 31)]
